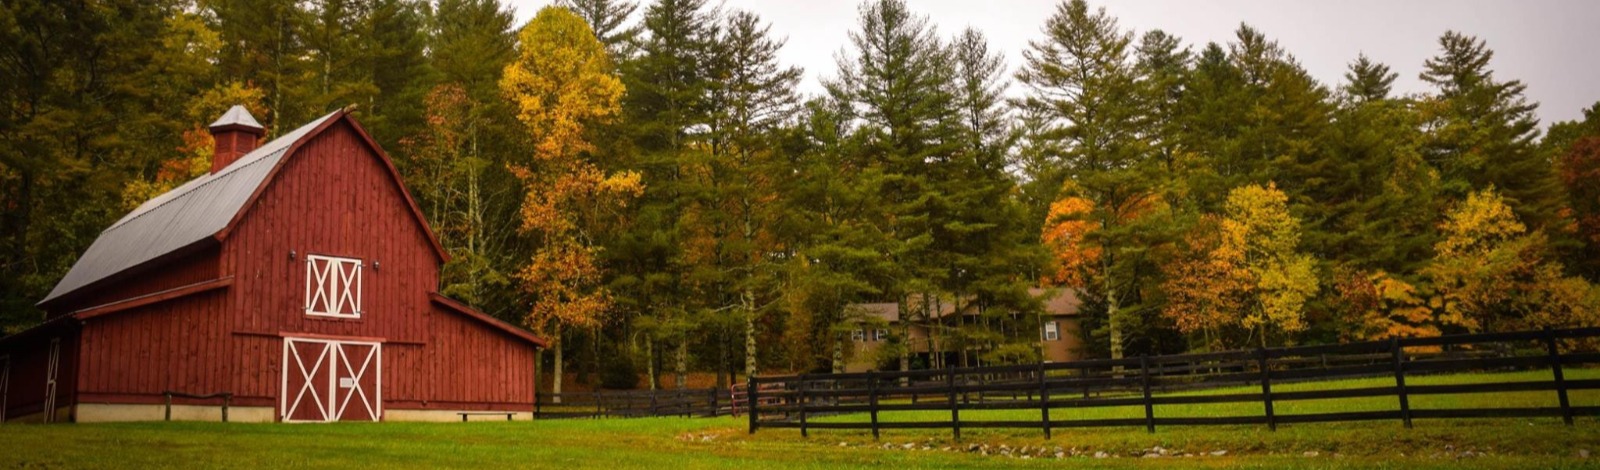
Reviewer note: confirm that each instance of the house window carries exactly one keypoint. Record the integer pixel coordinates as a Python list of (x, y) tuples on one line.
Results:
[(880, 334), (333, 287), (1052, 331), (858, 336)]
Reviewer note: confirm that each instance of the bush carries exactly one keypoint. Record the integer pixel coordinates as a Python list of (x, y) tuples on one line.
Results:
[(618, 373)]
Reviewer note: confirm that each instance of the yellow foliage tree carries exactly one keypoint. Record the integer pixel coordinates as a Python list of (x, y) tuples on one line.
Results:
[(1260, 240), (561, 84), (1490, 273)]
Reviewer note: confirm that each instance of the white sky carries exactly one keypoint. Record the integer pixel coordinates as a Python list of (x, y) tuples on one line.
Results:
[(1551, 45)]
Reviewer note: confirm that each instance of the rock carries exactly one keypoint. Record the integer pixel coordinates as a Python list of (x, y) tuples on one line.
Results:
[(908, 446), (1583, 453), (1060, 454), (844, 444), (945, 448), (1311, 453), (1100, 454), (972, 447), (1151, 455), (1219, 453)]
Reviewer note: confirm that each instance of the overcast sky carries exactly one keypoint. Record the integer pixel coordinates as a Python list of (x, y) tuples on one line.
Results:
[(1551, 45)]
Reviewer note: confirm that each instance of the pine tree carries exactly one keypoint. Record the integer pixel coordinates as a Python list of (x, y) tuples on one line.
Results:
[(1482, 131), (1368, 81), (1081, 76), (608, 19)]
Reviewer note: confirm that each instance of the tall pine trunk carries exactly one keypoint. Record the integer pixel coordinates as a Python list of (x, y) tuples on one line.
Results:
[(747, 301), (681, 368)]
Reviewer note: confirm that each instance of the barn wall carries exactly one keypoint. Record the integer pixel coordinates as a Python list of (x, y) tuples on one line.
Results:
[(334, 198), (178, 345), (466, 365)]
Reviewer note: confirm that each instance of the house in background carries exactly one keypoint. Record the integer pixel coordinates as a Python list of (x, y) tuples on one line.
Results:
[(298, 276), (1059, 334)]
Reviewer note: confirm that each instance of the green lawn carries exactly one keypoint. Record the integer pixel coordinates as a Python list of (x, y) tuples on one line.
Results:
[(671, 443)]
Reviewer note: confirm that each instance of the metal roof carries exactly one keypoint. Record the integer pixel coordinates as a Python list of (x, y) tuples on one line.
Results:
[(182, 217)]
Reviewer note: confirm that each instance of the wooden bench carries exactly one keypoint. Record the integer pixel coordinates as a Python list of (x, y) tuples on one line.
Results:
[(465, 414)]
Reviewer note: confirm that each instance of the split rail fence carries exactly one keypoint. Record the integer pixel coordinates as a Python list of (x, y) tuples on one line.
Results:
[(1056, 389)]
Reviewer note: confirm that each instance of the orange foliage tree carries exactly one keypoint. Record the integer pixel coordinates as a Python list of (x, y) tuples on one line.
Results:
[(561, 84)]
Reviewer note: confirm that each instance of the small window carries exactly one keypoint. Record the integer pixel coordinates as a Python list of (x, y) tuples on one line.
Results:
[(333, 287), (858, 336), (1052, 332), (880, 334)]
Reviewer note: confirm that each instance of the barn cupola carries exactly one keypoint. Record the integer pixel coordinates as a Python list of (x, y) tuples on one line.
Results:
[(236, 133)]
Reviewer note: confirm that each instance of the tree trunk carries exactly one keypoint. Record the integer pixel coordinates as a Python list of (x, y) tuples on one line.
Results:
[(747, 300), (555, 385), (681, 368), (838, 353), (650, 361)]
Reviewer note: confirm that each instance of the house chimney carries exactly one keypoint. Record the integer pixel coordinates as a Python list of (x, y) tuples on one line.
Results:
[(236, 133)]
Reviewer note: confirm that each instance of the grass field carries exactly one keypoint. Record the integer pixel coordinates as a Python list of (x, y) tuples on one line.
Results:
[(671, 443)]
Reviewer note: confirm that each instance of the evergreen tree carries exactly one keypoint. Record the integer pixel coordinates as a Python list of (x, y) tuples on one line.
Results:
[(609, 20), (1368, 81), (1481, 131), (1081, 76)]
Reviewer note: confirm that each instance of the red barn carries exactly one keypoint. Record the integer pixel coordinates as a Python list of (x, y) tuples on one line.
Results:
[(298, 276)]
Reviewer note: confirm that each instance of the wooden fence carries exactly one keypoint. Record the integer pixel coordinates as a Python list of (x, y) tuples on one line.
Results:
[(790, 401), (707, 402)]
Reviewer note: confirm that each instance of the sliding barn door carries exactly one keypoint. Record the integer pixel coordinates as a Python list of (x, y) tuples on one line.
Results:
[(331, 380)]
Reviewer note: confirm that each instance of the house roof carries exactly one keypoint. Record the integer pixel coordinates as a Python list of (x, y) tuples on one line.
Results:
[(1057, 302), (201, 210)]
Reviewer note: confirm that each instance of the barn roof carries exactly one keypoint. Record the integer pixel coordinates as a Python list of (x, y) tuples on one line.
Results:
[(202, 209)]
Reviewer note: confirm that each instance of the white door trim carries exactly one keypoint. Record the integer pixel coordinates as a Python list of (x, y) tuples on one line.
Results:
[(328, 401), (50, 381)]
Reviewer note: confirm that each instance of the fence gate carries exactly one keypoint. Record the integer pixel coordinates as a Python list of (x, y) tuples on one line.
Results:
[(331, 380)]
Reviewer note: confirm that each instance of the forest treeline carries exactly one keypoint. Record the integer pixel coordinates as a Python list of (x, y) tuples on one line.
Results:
[(644, 184)]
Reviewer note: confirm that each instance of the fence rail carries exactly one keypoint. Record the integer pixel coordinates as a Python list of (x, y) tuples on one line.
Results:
[(706, 402), (790, 401)]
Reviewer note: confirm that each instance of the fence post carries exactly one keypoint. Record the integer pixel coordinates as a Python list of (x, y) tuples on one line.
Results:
[(169, 405), (536, 406), (1044, 402), (872, 401), (1083, 373), (955, 408), (749, 401), (715, 409), (599, 408), (226, 400), (1144, 380), (801, 400), (653, 410), (1561, 380), (1266, 387), (1400, 380)]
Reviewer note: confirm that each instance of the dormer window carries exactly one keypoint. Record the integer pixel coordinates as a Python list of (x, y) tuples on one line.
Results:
[(333, 287), (1052, 331)]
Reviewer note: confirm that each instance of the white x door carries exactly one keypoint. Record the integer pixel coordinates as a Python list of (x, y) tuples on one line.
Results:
[(331, 380)]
